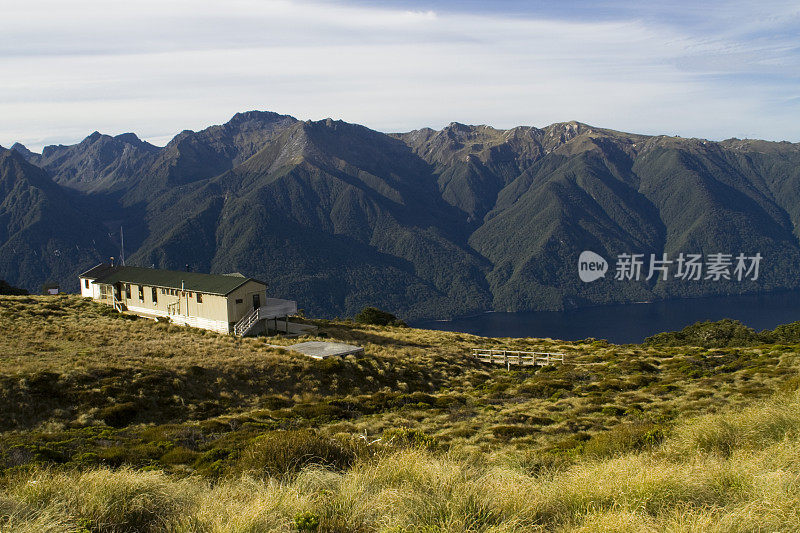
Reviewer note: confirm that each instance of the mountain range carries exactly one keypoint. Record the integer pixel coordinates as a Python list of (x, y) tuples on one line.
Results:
[(426, 224)]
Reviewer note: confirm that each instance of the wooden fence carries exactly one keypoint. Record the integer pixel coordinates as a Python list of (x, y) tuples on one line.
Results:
[(517, 358)]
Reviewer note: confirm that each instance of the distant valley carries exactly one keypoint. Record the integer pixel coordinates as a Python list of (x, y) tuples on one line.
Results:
[(425, 224)]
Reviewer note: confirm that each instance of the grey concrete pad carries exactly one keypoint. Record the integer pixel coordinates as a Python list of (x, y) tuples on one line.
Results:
[(323, 350)]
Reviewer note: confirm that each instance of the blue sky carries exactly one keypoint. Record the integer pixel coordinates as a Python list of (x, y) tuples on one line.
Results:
[(713, 70)]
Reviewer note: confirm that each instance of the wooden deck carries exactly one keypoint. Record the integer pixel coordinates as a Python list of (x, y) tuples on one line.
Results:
[(517, 358)]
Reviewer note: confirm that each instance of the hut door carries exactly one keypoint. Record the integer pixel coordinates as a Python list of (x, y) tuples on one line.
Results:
[(256, 301)]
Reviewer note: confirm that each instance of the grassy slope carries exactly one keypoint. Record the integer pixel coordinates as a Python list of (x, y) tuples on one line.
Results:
[(728, 472), (572, 447)]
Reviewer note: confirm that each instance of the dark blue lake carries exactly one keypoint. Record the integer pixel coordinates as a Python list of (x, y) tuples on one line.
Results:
[(629, 323)]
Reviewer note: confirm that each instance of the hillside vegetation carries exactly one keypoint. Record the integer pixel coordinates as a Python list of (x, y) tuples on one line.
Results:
[(160, 427), (725, 472), (6, 289), (725, 333), (424, 224)]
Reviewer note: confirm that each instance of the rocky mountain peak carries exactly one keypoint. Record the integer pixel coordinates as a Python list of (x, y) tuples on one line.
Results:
[(22, 149)]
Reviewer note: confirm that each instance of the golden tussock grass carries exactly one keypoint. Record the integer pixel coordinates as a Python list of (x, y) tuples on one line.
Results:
[(120, 425), (682, 485)]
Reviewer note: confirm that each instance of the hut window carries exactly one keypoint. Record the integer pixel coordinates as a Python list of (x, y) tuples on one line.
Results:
[(128, 291), (141, 293), (155, 295), (86, 283), (239, 300), (199, 298)]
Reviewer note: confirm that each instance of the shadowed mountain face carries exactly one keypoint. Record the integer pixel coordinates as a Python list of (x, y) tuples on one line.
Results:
[(425, 224), (45, 233)]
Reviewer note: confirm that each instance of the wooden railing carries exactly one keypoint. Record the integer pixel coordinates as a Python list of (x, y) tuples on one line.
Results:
[(517, 358), (272, 309), (118, 305), (241, 327)]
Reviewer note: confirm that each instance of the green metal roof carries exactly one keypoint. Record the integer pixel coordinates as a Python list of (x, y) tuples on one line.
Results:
[(176, 279), (98, 271)]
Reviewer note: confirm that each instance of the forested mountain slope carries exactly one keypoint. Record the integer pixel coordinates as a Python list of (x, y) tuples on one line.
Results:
[(425, 223)]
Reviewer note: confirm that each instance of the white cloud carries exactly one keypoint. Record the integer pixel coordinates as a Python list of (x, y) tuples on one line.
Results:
[(156, 68)]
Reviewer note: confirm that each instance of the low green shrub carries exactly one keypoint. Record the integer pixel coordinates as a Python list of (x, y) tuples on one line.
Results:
[(6, 288), (212, 463), (409, 438), (612, 410), (708, 334), (376, 317), (785, 333), (179, 455), (510, 431), (306, 521), (449, 401), (317, 411)]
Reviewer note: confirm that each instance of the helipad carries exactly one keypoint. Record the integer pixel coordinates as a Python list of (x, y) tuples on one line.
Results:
[(323, 350)]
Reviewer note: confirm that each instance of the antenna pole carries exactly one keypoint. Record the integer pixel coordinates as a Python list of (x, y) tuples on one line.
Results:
[(122, 245)]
